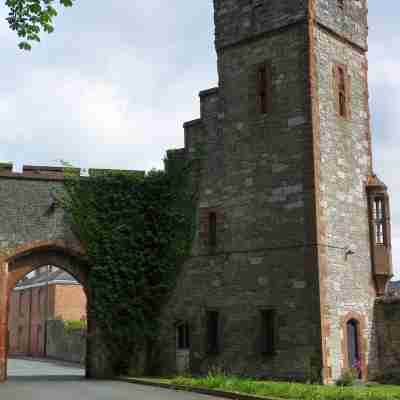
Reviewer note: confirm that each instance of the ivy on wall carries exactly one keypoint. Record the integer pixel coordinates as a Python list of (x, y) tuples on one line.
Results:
[(137, 230)]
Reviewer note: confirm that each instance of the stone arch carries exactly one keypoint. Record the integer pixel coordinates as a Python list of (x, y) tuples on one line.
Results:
[(33, 255), (359, 323), (30, 256)]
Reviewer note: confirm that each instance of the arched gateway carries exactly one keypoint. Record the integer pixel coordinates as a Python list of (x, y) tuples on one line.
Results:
[(34, 232)]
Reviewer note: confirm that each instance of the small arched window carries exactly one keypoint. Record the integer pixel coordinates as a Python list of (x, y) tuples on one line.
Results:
[(353, 345)]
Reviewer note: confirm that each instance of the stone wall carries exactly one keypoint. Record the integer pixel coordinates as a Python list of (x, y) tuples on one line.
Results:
[(26, 212), (238, 20), (349, 22), (387, 320), (63, 345), (347, 288), (255, 176)]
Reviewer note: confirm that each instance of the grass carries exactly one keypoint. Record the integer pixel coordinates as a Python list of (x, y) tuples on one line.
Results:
[(293, 391)]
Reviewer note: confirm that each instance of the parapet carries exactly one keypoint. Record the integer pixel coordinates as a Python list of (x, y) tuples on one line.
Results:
[(50, 173)]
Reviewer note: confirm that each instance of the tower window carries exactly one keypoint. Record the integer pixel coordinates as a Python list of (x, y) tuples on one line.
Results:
[(212, 229), (212, 332), (268, 330), (182, 336), (379, 219), (353, 346), (264, 88), (342, 92), (342, 85)]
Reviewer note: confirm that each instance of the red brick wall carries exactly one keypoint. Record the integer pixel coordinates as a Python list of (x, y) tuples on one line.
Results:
[(69, 302)]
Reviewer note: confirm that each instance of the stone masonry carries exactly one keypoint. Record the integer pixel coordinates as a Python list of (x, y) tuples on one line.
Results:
[(295, 225), (292, 253), (34, 232)]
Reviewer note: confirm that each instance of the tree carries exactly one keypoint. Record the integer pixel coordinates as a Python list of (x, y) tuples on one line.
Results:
[(29, 17)]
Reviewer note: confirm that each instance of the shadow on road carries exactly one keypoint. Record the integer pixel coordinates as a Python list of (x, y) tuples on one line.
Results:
[(46, 378)]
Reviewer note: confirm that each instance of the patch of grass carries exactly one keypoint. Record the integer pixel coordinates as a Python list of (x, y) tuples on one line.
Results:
[(293, 391)]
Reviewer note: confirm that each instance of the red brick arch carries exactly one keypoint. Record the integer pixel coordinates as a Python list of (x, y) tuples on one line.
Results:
[(26, 258)]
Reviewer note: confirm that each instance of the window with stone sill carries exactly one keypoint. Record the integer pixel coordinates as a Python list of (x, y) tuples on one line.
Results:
[(212, 332), (212, 230), (268, 331), (342, 88), (182, 336), (264, 88)]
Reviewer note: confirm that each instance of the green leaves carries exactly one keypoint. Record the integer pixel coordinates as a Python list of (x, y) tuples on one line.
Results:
[(28, 17), (137, 231)]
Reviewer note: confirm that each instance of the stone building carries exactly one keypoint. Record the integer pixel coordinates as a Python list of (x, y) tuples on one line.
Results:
[(47, 295), (294, 246), (289, 267)]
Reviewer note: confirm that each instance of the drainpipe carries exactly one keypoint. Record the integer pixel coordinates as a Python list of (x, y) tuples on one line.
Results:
[(46, 311), (30, 323)]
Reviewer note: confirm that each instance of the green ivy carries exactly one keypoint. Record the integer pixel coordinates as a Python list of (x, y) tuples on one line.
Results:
[(137, 230)]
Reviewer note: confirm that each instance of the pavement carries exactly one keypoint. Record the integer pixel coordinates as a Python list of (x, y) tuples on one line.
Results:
[(25, 367), (46, 380)]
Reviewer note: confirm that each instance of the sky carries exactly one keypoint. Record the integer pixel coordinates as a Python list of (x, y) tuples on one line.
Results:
[(112, 86)]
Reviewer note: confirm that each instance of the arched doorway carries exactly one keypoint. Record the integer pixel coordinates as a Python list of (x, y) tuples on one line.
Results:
[(29, 258), (354, 346), (47, 325), (353, 339)]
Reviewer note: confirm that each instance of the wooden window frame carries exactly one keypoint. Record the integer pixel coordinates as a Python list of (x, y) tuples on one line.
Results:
[(379, 220), (264, 88), (268, 336)]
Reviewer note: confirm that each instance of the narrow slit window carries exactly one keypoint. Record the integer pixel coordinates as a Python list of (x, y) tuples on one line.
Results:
[(212, 229), (213, 332), (183, 336), (264, 88), (379, 219), (268, 331), (342, 92)]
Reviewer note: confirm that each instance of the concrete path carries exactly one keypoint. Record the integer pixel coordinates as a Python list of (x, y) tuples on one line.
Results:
[(32, 368), (69, 387)]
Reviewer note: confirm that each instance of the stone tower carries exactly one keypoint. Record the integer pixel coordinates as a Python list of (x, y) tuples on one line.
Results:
[(293, 244)]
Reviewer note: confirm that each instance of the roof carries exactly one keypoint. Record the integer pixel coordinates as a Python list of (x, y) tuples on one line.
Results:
[(394, 285), (55, 277)]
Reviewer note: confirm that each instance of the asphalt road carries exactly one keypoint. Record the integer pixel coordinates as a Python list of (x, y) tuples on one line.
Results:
[(27, 382)]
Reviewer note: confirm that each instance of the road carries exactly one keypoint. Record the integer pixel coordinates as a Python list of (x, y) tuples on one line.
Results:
[(33, 380)]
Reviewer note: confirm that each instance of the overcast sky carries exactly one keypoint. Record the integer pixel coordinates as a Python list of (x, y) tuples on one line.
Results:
[(114, 83)]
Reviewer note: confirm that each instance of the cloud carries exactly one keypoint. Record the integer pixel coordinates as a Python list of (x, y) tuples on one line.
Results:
[(385, 107), (114, 83)]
